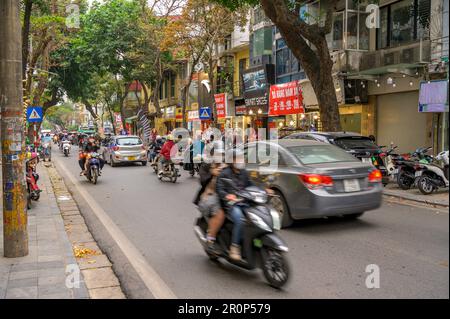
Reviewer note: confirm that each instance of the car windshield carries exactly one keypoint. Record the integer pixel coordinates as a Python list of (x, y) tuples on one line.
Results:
[(128, 141), (319, 154), (356, 142)]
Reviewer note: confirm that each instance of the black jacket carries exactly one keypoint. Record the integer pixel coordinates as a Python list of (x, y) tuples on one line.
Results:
[(241, 180), (205, 178)]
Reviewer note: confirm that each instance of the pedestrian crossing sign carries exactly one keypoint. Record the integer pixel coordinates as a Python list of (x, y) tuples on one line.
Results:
[(205, 113), (34, 114)]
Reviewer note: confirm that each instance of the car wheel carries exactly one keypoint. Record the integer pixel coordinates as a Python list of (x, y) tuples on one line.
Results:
[(279, 204), (353, 216), (144, 163)]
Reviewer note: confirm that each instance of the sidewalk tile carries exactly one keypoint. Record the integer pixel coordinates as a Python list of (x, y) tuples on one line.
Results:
[(53, 280), (23, 274), (100, 278), (107, 293), (20, 283), (22, 293)]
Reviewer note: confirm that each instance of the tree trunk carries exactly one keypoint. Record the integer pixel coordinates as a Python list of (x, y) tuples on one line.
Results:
[(316, 63), (111, 117)]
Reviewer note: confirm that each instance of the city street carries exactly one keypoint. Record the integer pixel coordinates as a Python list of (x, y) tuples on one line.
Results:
[(328, 258)]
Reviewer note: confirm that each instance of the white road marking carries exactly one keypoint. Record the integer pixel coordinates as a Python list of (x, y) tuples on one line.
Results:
[(149, 276)]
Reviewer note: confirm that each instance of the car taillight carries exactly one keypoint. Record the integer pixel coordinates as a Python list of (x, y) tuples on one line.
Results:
[(375, 176), (115, 148), (315, 180)]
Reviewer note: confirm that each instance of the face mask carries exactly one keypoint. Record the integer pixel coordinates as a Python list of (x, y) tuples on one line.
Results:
[(239, 165)]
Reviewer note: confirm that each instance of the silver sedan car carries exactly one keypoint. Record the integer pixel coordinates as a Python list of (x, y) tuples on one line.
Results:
[(125, 149), (313, 179)]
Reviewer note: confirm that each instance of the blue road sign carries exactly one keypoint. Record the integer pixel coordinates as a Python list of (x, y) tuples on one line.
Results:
[(34, 114), (204, 113)]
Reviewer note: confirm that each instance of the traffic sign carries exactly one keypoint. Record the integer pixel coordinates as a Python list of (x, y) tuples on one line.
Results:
[(205, 113), (34, 114)]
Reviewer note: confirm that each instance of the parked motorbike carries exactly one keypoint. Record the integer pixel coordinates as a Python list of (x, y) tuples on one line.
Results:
[(407, 168), (433, 176), (33, 191), (93, 171), (66, 146), (261, 245)]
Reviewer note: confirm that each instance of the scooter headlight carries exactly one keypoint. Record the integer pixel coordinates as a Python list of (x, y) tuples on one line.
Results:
[(259, 198), (276, 219), (258, 221)]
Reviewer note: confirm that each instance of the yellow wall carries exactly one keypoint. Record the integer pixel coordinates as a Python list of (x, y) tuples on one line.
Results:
[(243, 54)]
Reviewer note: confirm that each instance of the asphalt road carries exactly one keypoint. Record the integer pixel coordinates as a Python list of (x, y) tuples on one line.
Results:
[(328, 258)]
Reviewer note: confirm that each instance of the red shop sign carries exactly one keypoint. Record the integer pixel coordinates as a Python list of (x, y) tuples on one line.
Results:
[(286, 99), (221, 104)]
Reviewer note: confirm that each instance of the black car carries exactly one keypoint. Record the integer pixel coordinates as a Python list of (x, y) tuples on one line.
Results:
[(360, 146)]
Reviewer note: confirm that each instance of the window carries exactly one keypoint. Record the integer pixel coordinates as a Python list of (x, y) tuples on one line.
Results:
[(287, 66), (262, 42), (166, 88), (172, 85), (128, 141), (320, 154), (403, 22), (161, 91)]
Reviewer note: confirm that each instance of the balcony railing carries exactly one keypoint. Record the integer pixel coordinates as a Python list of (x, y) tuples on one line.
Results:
[(235, 88), (412, 54)]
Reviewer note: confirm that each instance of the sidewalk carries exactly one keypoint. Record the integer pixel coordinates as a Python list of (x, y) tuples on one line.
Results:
[(439, 198), (41, 274)]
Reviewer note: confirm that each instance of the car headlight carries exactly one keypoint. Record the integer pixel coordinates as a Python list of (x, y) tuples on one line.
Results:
[(258, 221), (276, 219)]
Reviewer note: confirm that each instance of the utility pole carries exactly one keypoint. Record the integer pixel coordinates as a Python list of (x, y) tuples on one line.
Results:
[(15, 235)]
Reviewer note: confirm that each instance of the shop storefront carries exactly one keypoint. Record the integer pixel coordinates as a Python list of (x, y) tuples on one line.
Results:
[(194, 123), (257, 83), (169, 118), (433, 99)]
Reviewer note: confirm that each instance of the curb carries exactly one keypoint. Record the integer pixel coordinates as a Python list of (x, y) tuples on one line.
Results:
[(96, 268), (414, 199)]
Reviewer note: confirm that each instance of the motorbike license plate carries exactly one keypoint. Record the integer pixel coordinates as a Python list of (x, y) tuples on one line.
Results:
[(351, 185), (418, 174), (366, 160)]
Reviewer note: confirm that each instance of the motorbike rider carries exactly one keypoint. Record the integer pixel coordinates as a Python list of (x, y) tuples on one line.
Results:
[(166, 153), (207, 199), (90, 147), (155, 147), (238, 174)]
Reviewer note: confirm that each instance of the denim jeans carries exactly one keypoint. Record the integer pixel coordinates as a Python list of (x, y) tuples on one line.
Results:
[(237, 216)]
